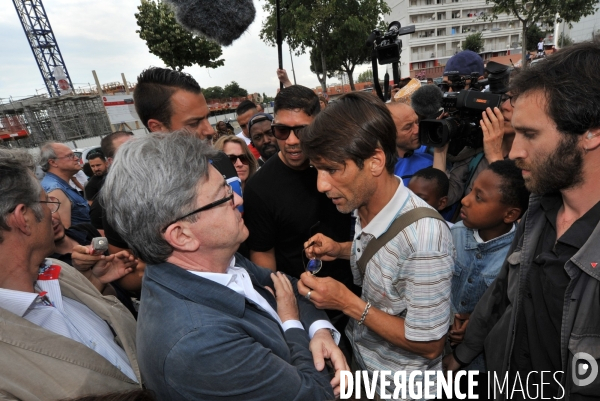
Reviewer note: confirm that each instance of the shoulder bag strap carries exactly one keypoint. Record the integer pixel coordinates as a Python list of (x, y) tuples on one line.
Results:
[(401, 222)]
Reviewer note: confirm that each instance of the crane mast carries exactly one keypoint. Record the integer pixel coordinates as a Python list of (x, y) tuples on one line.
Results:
[(44, 47)]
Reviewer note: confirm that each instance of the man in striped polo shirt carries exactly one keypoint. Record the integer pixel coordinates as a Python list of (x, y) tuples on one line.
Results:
[(399, 322)]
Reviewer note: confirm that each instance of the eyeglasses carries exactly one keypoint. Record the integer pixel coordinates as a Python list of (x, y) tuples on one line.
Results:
[(282, 132), (71, 156), (227, 198), (53, 204), (243, 158)]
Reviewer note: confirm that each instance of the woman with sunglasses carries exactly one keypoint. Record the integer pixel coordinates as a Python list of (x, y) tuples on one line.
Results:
[(238, 152)]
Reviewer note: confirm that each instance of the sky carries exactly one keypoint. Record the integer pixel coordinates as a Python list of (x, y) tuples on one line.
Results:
[(100, 35)]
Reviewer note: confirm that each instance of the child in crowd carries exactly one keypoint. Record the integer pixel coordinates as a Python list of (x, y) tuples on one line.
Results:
[(482, 240), (431, 185)]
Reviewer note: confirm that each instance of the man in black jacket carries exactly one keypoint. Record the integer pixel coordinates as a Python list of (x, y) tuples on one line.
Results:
[(542, 313)]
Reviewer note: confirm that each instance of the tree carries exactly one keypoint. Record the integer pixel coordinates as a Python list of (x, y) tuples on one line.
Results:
[(213, 92), (534, 33), (233, 90), (474, 42), (366, 76), (530, 12), (564, 40), (335, 30), (169, 41)]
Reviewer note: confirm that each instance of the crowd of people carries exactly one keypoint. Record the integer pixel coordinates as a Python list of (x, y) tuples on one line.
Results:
[(322, 238)]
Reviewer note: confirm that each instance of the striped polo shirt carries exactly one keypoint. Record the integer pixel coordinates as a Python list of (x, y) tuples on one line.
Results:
[(409, 277)]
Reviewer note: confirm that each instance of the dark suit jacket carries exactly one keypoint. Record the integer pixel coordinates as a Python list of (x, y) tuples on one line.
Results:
[(199, 340)]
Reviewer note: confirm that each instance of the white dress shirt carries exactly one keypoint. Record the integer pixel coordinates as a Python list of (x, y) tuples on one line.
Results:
[(66, 317), (238, 279)]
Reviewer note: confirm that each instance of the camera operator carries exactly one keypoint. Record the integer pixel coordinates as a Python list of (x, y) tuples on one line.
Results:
[(498, 133)]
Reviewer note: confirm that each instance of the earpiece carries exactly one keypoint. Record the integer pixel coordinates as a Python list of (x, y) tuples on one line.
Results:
[(590, 135)]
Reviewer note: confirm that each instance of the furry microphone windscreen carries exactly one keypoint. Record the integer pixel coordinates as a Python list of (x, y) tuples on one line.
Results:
[(220, 20), (427, 100)]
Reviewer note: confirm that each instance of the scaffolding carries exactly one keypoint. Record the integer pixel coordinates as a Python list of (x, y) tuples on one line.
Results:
[(33, 121)]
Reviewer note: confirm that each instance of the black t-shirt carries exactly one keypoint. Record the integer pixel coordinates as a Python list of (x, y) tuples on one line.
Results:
[(280, 207), (221, 162), (538, 330), (93, 186)]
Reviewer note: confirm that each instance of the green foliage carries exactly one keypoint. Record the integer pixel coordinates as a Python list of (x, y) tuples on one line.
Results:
[(366, 76), (234, 90), (531, 11), (474, 42), (534, 33), (564, 41), (169, 41), (337, 29), (231, 90), (213, 92)]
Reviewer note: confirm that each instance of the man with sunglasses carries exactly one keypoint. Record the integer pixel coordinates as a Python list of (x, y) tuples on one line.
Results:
[(212, 325), (282, 206), (60, 164)]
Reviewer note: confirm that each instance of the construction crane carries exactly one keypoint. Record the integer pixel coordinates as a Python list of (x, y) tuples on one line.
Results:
[(44, 47)]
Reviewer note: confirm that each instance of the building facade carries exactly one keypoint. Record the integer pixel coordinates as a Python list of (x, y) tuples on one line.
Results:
[(441, 27)]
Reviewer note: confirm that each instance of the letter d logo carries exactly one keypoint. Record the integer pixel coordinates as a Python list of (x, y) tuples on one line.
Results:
[(583, 365)]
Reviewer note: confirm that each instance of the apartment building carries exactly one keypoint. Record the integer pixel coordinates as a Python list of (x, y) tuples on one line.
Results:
[(441, 27)]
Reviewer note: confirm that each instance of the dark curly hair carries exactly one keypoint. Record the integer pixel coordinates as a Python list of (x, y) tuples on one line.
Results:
[(512, 188)]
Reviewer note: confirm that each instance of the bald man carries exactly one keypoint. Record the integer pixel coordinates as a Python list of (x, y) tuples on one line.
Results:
[(411, 156)]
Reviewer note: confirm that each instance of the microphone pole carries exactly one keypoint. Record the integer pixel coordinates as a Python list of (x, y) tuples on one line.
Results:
[(279, 40)]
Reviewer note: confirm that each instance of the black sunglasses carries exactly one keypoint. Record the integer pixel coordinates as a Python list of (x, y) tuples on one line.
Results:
[(282, 132), (243, 159)]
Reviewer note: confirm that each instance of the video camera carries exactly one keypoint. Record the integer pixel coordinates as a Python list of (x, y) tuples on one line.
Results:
[(387, 48), (461, 128)]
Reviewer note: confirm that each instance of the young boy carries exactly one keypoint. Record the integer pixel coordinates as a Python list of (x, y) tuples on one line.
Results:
[(482, 239), (431, 185)]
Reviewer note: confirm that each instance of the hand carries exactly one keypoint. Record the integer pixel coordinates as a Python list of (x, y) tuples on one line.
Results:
[(283, 77), (323, 347), (492, 125), (82, 258), (458, 328), (114, 267), (324, 248), (287, 308), (439, 157), (393, 94), (449, 364), (325, 292)]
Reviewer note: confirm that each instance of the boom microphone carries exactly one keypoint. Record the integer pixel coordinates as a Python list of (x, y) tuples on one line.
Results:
[(427, 101), (222, 21)]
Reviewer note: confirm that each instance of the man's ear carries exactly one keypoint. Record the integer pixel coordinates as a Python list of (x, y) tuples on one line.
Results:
[(181, 238), (377, 162), (442, 202), (591, 139), (511, 215), (157, 126), (19, 220)]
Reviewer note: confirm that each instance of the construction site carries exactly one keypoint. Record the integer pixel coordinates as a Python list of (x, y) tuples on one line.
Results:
[(35, 120)]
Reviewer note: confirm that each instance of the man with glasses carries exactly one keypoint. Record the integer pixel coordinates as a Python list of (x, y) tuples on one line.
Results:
[(262, 137), (212, 325), (60, 164), (60, 338), (282, 206)]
